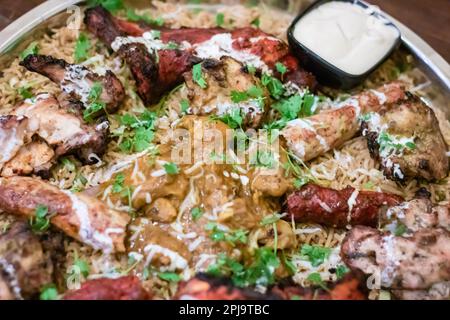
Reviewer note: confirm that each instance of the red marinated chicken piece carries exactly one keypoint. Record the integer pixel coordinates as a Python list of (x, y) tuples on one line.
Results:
[(124, 288), (338, 208), (161, 75)]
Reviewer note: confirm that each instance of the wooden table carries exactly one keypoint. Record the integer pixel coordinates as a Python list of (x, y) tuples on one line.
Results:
[(428, 18)]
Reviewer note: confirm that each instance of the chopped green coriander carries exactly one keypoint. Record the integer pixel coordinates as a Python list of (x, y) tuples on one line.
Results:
[(136, 131), (316, 279), (25, 92), (289, 108), (300, 182), (197, 76), (79, 183), (256, 22), (288, 264), (40, 222), (341, 270), (110, 5), (82, 47), (92, 109), (281, 68), (95, 92), (169, 276), (220, 19), (49, 292), (68, 164), (369, 185), (171, 168), (196, 213), (118, 183), (82, 266), (156, 34), (31, 49), (390, 144), (400, 230), (274, 85), (133, 16), (251, 69), (315, 254), (232, 237), (261, 271), (184, 106), (233, 118)]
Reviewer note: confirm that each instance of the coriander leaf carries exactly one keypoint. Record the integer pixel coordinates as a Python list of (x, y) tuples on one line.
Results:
[(92, 109), (400, 230), (308, 103), (316, 279), (49, 292), (118, 183), (171, 168), (256, 22), (220, 19), (233, 118), (274, 85), (289, 265), (238, 96), (82, 47), (281, 68), (110, 5), (341, 270), (133, 16), (197, 76), (68, 164), (315, 254), (184, 106), (83, 267), (196, 213), (300, 182), (289, 108), (31, 49), (169, 276), (251, 69), (40, 222), (263, 158), (25, 92), (95, 92)]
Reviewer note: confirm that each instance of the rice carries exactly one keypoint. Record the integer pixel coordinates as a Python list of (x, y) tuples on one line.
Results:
[(349, 166)]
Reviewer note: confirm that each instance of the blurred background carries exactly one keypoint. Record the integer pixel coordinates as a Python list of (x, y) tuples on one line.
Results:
[(428, 18)]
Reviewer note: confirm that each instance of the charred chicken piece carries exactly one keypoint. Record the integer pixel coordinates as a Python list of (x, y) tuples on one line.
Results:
[(156, 75), (124, 288), (223, 78), (64, 130), (311, 137), (407, 140), (15, 131), (338, 208), (415, 215), (205, 287), (79, 216), (438, 291), (248, 45), (348, 288), (24, 266), (77, 81), (416, 262)]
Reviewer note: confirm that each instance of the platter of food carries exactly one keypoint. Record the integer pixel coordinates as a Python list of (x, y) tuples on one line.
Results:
[(222, 150)]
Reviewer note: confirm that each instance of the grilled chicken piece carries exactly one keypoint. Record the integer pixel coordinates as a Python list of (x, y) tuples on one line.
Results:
[(311, 137), (416, 262), (248, 45), (81, 217), (36, 157), (408, 141), (415, 215), (15, 131), (24, 267), (348, 288), (222, 79), (338, 208), (205, 287), (77, 81), (65, 130), (156, 75), (124, 288)]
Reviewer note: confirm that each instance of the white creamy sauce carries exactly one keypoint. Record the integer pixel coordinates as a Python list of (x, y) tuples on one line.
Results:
[(177, 262), (87, 233), (250, 107), (299, 146), (221, 45), (351, 202), (75, 81), (346, 35), (388, 273), (148, 39)]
